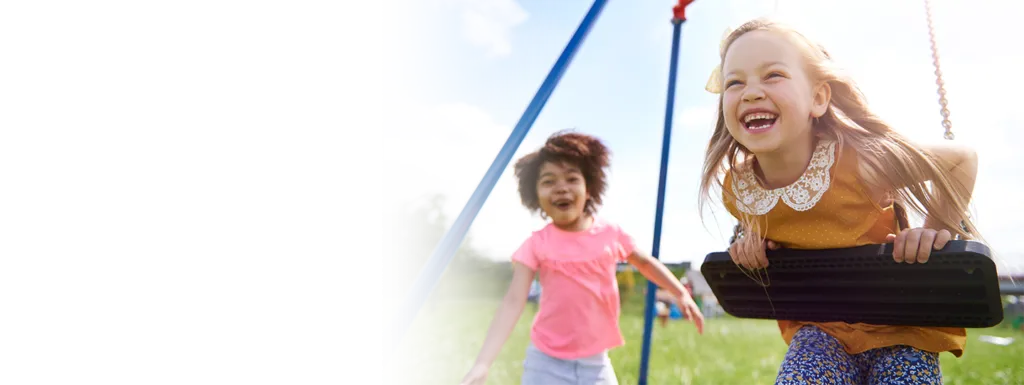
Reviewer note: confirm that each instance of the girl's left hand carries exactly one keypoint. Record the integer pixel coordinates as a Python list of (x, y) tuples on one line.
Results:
[(915, 245), (691, 312)]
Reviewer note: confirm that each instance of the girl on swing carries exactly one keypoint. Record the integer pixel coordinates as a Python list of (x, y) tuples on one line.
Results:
[(803, 163)]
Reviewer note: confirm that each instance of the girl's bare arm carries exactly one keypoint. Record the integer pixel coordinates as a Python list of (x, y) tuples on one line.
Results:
[(963, 170), (507, 315), (652, 269), (961, 163)]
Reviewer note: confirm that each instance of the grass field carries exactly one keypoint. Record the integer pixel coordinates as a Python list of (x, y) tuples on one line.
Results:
[(446, 338)]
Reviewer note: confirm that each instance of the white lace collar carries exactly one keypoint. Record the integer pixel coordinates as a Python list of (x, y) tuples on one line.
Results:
[(802, 195)]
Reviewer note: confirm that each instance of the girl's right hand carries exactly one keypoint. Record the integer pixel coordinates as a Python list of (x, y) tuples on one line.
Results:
[(476, 376), (750, 253)]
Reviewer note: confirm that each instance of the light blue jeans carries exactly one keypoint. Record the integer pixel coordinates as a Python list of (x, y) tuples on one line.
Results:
[(542, 369)]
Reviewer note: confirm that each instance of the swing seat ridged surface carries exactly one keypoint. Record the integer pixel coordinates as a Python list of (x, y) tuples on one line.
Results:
[(957, 287)]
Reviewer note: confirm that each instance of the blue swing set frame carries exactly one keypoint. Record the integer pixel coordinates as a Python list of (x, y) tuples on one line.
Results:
[(443, 253)]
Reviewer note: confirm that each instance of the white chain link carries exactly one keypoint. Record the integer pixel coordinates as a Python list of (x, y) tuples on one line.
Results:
[(938, 75)]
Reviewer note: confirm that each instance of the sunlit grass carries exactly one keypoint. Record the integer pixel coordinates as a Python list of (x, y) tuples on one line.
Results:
[(447, 337)]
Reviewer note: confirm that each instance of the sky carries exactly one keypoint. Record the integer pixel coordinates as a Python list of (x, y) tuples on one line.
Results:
[(467, 69)]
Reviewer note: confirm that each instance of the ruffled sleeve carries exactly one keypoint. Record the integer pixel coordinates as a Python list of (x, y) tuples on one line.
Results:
[(626, 245), (527, 253)]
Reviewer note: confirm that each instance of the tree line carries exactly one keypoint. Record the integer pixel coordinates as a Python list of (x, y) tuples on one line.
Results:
[(408, 230)]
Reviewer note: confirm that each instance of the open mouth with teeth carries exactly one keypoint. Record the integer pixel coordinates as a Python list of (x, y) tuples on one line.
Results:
[(563, 204), (760, 121)]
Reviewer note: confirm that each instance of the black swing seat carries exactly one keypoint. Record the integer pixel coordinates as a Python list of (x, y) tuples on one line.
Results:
[(957, 287)]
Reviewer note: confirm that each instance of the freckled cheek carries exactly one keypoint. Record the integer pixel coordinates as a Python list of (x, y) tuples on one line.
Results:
[(729, 105)]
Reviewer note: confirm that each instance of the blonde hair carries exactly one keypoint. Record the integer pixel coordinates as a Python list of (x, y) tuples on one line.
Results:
[(849, 121)]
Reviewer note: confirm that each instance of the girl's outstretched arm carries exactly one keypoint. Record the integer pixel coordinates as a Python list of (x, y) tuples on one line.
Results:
[(652, 269), (504, 321), (655, 271)]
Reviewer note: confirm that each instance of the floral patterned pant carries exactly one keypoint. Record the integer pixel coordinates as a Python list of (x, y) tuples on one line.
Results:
[(817, 358)]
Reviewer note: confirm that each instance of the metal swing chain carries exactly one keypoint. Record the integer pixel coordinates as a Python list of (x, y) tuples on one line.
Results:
[(938, 75), (942, 91)]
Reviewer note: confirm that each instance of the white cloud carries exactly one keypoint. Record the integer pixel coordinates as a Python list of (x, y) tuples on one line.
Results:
[(699, 118), (489, 23), (446, 149)]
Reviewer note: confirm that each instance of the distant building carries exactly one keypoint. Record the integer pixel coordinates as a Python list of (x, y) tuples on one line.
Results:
[(1011, 284), (702, 290), (674, 266)]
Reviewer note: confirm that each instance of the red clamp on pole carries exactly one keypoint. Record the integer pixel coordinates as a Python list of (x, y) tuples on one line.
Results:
[(679, 11)]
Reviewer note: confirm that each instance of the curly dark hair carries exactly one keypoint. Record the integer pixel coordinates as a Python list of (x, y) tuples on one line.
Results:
[(565, 147)]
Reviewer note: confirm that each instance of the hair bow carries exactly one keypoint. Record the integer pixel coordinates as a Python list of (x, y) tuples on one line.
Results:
[(714, 84)]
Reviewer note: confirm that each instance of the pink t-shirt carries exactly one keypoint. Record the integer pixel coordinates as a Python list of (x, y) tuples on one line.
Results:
[(579, 304)]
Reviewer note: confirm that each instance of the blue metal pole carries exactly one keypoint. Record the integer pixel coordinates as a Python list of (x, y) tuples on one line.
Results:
[(445, 249), (651, 287)]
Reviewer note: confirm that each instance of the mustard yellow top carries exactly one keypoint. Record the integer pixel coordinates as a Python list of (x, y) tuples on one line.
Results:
[(829, 208)]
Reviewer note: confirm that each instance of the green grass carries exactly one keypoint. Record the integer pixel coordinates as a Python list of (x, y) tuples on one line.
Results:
[(447, 336)]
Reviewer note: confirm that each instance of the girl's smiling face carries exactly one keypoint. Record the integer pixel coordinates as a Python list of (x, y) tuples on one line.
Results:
[(768, 101), (562, 193)]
